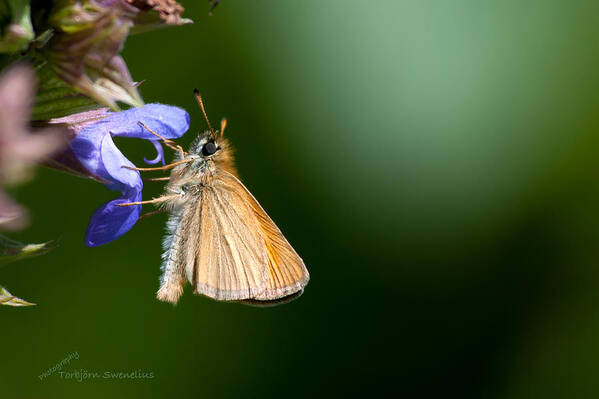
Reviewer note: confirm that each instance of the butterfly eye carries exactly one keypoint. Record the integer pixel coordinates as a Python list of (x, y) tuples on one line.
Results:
[(209, 148)]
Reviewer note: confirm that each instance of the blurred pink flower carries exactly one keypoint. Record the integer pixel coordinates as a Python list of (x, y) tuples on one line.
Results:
[(20, 148)]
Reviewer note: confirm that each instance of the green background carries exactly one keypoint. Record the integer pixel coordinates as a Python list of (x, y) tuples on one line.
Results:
[(434, 163)]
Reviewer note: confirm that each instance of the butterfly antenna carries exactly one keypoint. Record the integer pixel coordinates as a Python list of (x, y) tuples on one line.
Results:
[(223, 126), (201, 104)]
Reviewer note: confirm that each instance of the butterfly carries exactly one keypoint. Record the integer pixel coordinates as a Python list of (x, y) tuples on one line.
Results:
[(219, 238)]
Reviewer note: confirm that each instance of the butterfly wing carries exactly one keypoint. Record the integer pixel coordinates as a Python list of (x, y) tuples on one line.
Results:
[(229, 249), (287, 274), (231, 260)]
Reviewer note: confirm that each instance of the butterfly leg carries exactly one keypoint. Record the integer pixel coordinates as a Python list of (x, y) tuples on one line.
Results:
[(166, 167), (157, 179), (152, 201), (148, 214), (169, 143)]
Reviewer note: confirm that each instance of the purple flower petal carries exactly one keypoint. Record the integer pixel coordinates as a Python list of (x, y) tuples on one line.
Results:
[(94, 148), (114, 161), (159, 157), (111, 221), (168, 121)]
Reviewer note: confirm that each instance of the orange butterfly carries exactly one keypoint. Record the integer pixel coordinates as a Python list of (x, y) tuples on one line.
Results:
[(218, 236)]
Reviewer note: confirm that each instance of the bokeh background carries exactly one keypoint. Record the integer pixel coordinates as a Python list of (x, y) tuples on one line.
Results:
[(434, 163)]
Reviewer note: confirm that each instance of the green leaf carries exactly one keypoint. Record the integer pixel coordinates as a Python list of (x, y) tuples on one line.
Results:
[(18, 32), (11, 250), (8, 299), (56, 98)]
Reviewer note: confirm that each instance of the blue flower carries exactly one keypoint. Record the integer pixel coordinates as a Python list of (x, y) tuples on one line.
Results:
[(94, 148)]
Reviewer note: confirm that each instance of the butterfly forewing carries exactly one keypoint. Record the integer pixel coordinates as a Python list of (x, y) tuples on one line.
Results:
[(231, 259), (287, 273)]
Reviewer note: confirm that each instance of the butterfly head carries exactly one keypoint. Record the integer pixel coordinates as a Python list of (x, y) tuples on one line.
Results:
[(206, 145), (211, 148)]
